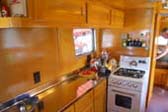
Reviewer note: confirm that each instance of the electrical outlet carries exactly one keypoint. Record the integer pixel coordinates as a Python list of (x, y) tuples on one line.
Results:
[(37, 77)]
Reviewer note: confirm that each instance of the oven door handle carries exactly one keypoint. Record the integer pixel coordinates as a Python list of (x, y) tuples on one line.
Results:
[(122, 92)]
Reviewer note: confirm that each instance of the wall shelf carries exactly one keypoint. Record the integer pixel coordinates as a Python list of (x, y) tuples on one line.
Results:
[(11, 22)]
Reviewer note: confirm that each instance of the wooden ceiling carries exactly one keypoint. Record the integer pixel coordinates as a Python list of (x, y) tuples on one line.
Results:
[(127, 4)]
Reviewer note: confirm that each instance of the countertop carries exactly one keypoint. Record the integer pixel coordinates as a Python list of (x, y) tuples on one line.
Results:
[(162, 65), (58, 95), (61, 96)]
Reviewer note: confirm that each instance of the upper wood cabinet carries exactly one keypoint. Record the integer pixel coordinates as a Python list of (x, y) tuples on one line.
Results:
[(117, 18), (60, 11), (98, 14), (73, 13)]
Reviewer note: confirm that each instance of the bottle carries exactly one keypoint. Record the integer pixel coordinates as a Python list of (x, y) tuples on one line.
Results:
[(138, 43), (104, 56), (124, 43), (143, 44), (18, 8), (131, 43), (128, 40), (134, 42)]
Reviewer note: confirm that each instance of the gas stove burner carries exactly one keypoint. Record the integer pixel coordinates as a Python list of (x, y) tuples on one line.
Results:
[(130, 73)]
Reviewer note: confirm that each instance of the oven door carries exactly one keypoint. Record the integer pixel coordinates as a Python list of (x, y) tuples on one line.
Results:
[(122, 100)]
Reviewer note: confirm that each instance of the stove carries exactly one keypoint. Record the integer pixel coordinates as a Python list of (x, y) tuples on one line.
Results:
[(127, 86), (129, 73)]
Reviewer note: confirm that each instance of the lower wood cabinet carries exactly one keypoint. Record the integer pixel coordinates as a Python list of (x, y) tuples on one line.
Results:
[(70, 109), (161, 77), (100, 97), (85, 104), (93, 101)]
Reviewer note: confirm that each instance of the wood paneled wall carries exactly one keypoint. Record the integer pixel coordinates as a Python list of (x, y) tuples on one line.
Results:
[(23, 52), (135, 20), (69, 61)]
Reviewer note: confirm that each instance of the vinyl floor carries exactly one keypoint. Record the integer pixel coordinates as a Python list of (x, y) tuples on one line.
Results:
[(159, 101)]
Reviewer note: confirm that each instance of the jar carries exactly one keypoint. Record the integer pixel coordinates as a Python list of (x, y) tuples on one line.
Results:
[(18, 8)]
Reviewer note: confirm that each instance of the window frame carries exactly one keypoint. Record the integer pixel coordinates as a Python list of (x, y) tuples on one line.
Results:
[(93, 43)]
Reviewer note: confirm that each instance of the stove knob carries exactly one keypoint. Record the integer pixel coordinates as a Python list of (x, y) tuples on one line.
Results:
[(124, 83), (114, 82), (135, 86), (129, 84), (119, 83)]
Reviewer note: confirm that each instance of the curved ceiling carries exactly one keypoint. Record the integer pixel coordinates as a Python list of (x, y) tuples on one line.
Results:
[(126, 4)]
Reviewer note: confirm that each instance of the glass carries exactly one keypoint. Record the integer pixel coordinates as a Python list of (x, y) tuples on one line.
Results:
[(123, 101), (84, 40)]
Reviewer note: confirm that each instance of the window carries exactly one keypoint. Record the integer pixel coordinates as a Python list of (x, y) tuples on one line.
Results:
[(84, 40), (107, 39)]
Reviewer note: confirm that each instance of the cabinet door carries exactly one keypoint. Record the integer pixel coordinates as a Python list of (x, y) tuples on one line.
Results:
[(85, 104), (98, 14), (61, 11), (100, 97), (161, 77), (117, 18), (70, 109)]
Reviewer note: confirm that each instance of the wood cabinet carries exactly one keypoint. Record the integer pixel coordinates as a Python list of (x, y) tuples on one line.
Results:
[(161, 77), (98, 14), (60, 11), (93, 101), (100, 97), (85, 104), (117, 18)]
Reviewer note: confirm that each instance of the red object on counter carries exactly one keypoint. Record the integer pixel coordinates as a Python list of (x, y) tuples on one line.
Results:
[(87, 72), (94, 69)]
